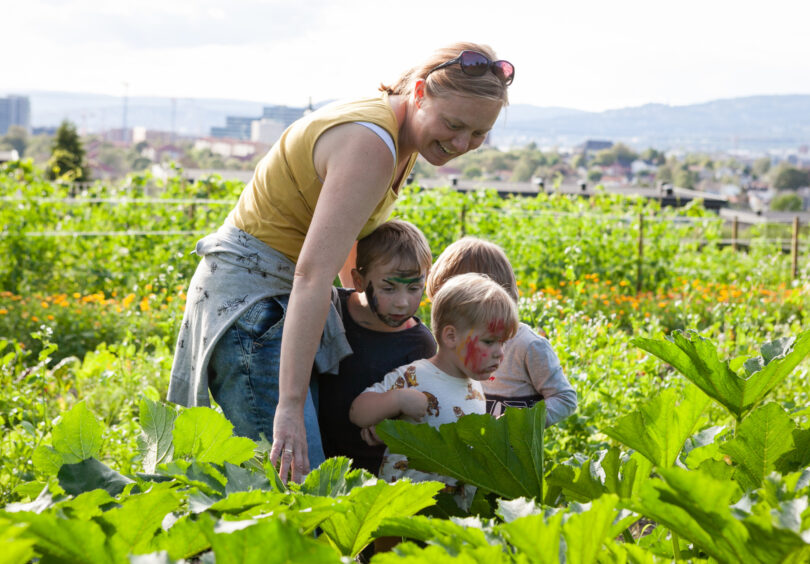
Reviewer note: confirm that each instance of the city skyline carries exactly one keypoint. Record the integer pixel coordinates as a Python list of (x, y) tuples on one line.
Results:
[(588, 56)]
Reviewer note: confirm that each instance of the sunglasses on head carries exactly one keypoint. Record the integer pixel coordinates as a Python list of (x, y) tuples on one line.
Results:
[(474, 63)]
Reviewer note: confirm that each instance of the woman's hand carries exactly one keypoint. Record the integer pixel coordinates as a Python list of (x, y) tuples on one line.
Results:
[(289, 444), (412, 403)]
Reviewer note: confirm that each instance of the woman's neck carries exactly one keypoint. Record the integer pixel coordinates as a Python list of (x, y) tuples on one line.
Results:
[(400, 104)]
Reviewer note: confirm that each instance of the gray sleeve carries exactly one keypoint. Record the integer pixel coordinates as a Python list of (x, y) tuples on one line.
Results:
[(548, 379)]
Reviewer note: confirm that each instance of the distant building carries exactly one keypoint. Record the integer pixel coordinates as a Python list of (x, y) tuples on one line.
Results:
[(266, 130), (6, 156), (236, 127), (283, 114), (15, 110), (592, 146)]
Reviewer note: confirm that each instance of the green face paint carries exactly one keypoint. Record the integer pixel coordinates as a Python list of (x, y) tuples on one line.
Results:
[(403, 280)]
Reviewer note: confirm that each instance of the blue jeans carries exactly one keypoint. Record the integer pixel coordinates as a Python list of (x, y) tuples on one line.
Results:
[(243, 375)]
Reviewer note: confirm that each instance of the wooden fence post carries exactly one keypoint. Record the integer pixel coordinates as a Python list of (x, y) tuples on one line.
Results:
[(735, 225), (463, 218), (794, 250), (640, 252)]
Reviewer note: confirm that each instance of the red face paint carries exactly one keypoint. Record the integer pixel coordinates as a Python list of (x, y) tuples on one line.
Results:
[(473, 355), (496, 326)]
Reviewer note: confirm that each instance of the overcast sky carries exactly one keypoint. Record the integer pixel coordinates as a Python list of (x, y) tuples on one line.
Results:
[(584, 54)]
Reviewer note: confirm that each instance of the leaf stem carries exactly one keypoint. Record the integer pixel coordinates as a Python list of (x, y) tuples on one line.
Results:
[(676, 547)]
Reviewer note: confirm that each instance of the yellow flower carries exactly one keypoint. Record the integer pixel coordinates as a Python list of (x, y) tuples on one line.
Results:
[(3, 311), (44, 304)]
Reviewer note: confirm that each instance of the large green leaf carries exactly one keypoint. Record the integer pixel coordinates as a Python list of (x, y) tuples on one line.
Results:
[(334, 477), (207, 436), (368, 506), (503, 456), (448, 533), (696, 358), (68, 540), (536, 536), (155, 444), (697, 508), (585, 532), (138, 518), (762, 439), (605, 472), (410, 553), (660, 427), (186, 537), (90, 474), (16, 550), (77, 435), (268, 541)]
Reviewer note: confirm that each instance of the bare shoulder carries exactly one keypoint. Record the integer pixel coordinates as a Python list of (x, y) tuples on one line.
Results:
[(352, 146)]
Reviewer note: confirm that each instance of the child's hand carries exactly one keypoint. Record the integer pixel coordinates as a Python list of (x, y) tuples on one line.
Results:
[(412, 403), (370, 437)]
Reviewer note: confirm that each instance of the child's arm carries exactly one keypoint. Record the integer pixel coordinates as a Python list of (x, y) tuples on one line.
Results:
[(549, 380), (369, 408)]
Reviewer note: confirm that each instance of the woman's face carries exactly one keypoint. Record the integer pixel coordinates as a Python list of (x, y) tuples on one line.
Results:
[(448, 126)]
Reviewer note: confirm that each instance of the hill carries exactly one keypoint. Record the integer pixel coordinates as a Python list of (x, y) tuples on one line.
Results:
[(755, 123)]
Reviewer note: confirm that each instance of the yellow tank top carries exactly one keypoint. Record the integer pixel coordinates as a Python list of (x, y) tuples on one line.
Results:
[(277, 204)]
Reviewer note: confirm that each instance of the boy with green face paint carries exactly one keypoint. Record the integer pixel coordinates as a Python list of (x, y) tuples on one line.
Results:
[(378, 316)]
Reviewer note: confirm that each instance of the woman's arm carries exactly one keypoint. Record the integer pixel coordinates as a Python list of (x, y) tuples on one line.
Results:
[(356, 167), (345, 273), (369, 408)]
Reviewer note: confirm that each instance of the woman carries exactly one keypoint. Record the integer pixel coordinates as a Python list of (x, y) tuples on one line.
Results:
[(258, 308)]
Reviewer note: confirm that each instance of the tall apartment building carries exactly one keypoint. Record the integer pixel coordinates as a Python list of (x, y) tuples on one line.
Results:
[(15, 110), (237, 127)]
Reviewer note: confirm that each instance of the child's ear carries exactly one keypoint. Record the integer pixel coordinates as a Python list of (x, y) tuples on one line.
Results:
[(357, 279), (448, 336)]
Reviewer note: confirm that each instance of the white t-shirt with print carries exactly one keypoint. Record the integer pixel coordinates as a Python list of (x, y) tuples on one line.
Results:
[(449, 398)]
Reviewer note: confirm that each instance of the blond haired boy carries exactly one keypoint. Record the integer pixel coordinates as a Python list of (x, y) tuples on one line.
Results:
[(530, 371), (472, 316)]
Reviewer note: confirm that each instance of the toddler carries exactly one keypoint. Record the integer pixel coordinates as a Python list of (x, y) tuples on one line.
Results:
[(472, 316), (530, 371)]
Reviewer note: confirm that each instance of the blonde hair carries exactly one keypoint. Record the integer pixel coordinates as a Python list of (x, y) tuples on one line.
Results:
[(451, 79), (470, 254), (473, 300), (394, 239)]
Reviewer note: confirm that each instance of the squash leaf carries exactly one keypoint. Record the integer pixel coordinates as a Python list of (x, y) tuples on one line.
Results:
[(503, 456), (696, 358), (660, 427)]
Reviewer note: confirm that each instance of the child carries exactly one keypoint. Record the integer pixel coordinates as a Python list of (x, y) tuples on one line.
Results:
[(472, 316), (530, 371), (391, 266)]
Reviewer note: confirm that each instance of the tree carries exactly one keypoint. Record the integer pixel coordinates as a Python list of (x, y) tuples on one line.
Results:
[(787, 177), (787, 202), (761, 167), (16, 138), (67, 156), (624, 154), (594, 175)]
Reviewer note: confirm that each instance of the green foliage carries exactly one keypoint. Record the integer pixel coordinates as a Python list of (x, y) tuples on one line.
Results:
[(503, 456), (659, 429), (696, 358), (787, 177), (162, 484), (787, 202), (67, 160)]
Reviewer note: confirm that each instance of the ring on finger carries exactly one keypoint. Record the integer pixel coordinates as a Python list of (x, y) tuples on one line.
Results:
[(289, 450)]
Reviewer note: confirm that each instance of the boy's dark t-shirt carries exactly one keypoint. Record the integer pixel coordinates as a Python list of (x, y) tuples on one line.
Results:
[(376, 353)]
